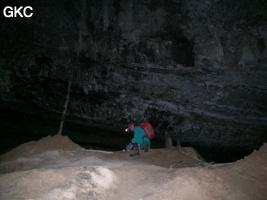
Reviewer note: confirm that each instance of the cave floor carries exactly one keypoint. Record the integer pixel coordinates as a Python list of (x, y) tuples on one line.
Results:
[(56, 168)]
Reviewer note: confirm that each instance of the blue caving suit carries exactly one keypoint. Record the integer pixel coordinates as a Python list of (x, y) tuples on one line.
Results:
[(140, 137)]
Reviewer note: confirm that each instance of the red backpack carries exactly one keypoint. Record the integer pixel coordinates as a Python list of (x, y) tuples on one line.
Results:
[(148, 129)]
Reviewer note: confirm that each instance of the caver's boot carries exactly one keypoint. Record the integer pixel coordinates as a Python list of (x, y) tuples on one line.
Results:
[(136, 150), (147, 147)]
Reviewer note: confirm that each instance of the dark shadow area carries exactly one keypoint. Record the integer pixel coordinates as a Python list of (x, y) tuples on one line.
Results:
[(220, 154), (18, 128), (182, 52)]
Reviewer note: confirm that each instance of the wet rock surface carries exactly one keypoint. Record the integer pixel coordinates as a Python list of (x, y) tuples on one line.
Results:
[(195, 70)]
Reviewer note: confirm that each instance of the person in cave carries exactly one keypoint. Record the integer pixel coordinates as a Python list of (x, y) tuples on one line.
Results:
[(140, 140)]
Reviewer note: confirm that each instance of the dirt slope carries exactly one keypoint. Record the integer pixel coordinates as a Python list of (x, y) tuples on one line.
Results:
[(56, 168)]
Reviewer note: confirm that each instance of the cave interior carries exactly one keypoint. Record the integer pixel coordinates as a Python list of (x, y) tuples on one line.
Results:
[(196, 70)]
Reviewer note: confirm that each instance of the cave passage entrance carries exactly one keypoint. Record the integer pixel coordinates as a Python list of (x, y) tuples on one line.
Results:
[(26, 129)]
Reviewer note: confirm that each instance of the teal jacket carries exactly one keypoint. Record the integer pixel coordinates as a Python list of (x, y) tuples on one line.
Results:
[(140, 137)]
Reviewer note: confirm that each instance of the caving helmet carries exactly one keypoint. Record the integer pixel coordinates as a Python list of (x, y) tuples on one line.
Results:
[(130, 127)]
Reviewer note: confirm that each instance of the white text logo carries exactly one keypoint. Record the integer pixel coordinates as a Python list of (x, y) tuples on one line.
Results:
[(20, 11)]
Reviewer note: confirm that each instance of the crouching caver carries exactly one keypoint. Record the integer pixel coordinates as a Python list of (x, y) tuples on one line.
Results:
[(139, 140)]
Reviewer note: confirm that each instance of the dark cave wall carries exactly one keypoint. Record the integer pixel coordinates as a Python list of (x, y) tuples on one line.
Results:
[(196, 69)]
